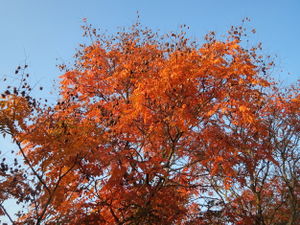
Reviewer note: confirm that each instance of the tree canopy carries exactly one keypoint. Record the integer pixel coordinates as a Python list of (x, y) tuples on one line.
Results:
[(157, 129)]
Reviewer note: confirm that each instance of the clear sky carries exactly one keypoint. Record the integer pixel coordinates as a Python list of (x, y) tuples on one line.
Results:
[(42, 31)]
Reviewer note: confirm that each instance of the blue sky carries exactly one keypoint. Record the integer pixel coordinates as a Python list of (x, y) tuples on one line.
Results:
[(41, 32)]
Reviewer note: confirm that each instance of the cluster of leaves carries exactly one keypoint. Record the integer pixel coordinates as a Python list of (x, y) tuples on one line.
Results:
[(157, 129)]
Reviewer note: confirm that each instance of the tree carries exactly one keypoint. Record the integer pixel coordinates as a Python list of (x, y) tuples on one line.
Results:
[(156, 129), (266, 190)]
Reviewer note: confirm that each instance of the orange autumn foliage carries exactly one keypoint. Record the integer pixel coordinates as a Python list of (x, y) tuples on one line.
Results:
[(154, 130)]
